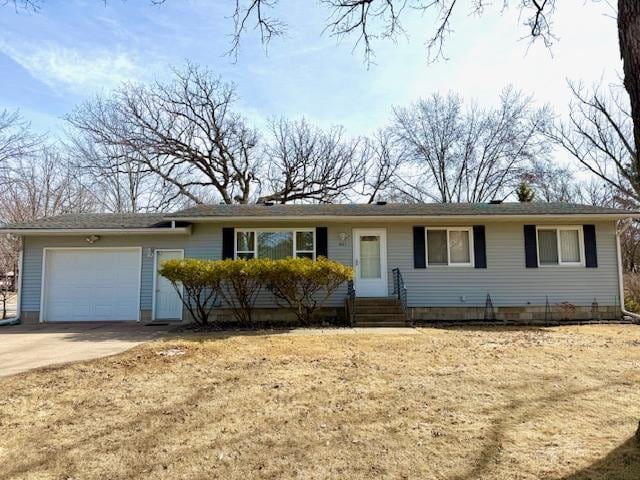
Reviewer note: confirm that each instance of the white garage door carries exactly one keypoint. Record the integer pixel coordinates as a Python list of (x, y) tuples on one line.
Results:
[(91, 285)]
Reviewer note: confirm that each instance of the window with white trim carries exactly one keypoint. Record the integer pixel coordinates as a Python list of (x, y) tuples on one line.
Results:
[(560, 246), (275, 244), (450, 246)]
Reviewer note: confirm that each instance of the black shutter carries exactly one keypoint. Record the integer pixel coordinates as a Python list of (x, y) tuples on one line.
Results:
[(419, 251), (479, 247), (530, 246), (322, 242), (228, 234), (590, 252)]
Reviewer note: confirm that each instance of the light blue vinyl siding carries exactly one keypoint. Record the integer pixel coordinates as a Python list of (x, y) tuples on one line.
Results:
[(506, 279), (204, 242)]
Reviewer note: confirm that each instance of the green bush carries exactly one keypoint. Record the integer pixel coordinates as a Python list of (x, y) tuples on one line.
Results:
[(197, 284), (303, 284)]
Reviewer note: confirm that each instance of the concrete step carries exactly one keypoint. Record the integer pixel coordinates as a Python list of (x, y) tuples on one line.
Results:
[(379, 309), (379, 319), (375, 301)]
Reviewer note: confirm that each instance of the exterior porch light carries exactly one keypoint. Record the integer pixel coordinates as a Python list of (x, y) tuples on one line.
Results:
[(342, 237)]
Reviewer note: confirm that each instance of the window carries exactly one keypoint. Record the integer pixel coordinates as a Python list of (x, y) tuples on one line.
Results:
[(560, 246), (275, 244), (449, 246), (245, 244)]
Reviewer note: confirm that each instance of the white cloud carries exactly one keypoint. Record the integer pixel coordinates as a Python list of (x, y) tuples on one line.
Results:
[(81, 71)]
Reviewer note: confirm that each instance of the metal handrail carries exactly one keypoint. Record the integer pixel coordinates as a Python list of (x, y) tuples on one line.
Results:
[(399, 289)]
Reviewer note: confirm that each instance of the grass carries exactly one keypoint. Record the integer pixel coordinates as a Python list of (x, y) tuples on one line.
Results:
[(483, 403)]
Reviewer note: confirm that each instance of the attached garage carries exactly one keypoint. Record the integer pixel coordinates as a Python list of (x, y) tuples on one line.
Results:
[(91, 284)]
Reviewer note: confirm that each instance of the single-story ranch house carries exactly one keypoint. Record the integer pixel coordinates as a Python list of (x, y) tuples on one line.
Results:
[(511, 261)]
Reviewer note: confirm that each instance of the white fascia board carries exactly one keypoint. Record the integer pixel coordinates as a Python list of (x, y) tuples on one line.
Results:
[(409, 218), (98, 231)]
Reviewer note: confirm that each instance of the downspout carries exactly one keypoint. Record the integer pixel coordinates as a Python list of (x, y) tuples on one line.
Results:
[(619, 232), (16, 319)]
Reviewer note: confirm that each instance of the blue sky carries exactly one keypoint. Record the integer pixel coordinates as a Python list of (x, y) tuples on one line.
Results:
[(72, 49)]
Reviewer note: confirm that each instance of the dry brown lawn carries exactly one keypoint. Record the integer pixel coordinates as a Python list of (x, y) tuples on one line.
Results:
[(543, 403)]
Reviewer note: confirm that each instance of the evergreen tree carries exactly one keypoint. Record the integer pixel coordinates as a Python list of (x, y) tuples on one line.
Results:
[(524, 192)]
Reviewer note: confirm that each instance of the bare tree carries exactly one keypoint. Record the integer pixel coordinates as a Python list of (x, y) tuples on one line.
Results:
[(149, 147), (369, 20), (253, 13), (384, 164), (553, 182), (16, 138), (307, 163), (467, 155), (119, 180), (599, 136), (42, 185), (550, 182), (183, 131), (630, 248)]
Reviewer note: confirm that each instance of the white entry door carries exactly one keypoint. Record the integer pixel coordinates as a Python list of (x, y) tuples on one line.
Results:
[(167, 303), (370, 262)]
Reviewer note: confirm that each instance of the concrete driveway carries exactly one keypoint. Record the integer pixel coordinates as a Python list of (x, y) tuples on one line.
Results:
[(24, 347)]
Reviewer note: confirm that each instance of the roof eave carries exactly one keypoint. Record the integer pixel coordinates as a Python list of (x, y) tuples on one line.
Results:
[(405, 218), (96, 231)]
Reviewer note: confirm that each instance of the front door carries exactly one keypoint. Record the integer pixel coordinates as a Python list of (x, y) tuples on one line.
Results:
[(370, 262), (167, 301)]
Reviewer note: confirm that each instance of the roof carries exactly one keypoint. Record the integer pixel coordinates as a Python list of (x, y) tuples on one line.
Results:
[(395, 210), (176, 222), (97, 221)]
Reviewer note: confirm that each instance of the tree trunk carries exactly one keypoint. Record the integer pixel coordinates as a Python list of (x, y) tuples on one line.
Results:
[(629, 38)]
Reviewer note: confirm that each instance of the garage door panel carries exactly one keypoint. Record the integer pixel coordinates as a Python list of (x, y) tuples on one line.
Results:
[(92, 285)]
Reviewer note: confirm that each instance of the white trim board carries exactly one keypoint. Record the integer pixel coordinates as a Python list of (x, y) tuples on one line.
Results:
[(408, 218), (39, 232)]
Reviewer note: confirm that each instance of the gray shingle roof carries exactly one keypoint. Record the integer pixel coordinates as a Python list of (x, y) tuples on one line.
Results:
[(97, 221), (395, 210), (105, 221)]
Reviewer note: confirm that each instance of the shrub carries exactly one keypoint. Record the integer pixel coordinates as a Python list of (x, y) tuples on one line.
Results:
[(298, 283), (240, 281), (197, 284), (632, 292), (303, 284)]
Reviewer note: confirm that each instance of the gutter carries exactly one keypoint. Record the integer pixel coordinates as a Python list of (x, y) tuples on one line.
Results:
[(98, 231), (633, 315), (398, 218)]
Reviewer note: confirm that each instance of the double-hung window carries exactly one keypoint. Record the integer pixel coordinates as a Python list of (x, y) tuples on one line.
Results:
[(560, 246), (275, 244), (450, 246)]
